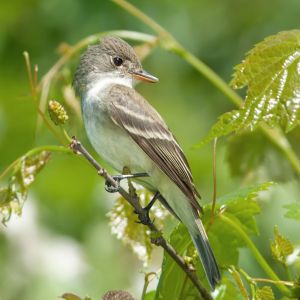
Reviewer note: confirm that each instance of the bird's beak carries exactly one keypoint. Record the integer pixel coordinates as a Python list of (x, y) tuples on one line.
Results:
[(143, 75)]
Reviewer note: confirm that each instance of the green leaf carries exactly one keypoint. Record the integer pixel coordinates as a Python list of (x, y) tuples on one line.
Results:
[(13, 196), (265, 293), (123, 222), (150, 295), (281, 247), (271, 73), (241, 206), (173, 283), (250, 155), (228, 290), (244, 193), (293, 211)]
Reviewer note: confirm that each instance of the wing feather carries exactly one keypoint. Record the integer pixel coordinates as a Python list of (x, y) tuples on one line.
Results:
[(132, 112)]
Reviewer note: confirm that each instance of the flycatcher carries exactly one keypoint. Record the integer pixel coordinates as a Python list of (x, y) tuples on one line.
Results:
[(126, 130)]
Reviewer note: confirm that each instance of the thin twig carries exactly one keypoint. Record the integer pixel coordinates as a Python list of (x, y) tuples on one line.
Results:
[(236, 276), (33, 88), (214, 200), (157, 238), (146, 283)]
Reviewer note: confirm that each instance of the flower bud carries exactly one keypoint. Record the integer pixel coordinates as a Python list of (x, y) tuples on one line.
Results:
[(57, 113)]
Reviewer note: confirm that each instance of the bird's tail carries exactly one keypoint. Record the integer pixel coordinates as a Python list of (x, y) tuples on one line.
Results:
[(205, 252)]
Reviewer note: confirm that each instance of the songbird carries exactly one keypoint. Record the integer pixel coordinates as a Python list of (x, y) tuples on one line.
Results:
[(126, 131)]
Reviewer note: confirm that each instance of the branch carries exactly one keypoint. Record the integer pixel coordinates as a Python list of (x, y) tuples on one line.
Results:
[(156, 239)]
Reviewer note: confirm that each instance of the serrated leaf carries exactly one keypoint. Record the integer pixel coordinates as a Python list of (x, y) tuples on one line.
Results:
[(281, 247), (293, 211), (245, 193), (123, 222), (13, 196), (271, 71), (265, 293)]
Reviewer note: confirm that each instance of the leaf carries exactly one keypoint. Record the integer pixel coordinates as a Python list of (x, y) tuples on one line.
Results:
[(271, 72), (265, 293), (173, 282), (281, 247), (228, 290), (252, 156), (123, 222), (241, 206), (245, 193), (293, 211), (13, 196), (150, 295)]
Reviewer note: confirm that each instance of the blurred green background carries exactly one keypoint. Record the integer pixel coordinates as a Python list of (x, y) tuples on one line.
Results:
[(63, 242)]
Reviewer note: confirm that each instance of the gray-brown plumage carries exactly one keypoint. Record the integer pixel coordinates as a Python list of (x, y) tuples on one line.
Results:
[(127, 131), (150, 132)]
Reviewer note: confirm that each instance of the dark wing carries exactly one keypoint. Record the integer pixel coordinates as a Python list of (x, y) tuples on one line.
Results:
[(132, 112)]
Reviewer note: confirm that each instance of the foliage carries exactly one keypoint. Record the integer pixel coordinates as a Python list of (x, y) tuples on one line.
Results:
[(14, 195), (241, 207), (293, 211), (271, 73), (265, 293), (281, 247), (250, 155), (123, 223)]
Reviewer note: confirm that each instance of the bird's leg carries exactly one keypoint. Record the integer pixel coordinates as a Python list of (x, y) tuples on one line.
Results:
[(144, 215), (111, 189)]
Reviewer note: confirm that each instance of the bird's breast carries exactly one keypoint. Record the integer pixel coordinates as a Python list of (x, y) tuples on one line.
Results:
[(112, 142)]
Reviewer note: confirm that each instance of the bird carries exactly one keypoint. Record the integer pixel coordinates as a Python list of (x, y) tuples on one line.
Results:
[(126, 131)]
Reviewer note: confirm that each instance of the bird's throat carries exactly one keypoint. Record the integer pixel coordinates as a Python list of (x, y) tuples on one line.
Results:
[(103, 82)]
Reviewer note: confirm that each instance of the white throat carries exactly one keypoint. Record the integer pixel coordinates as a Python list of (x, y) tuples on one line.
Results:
[(104, 82)]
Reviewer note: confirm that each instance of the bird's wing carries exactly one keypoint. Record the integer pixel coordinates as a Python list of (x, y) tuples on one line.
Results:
[(132, 112)]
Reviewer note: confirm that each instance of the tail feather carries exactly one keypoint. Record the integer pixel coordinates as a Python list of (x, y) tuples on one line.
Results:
[(205, 252)]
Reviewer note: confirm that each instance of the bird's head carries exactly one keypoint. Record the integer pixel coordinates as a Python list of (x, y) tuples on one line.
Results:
[(112, 57)]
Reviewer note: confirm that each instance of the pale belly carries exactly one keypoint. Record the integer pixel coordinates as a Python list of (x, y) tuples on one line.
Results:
[(118, 149), (112, 143)]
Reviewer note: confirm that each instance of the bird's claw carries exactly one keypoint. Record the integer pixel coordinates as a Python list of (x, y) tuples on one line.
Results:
[(113, 189)]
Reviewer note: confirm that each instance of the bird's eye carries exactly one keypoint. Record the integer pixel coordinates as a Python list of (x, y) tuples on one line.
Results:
[(118, 61)]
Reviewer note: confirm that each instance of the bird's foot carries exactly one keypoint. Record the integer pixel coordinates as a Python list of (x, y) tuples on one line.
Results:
[(144, 214), (113, 189)]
